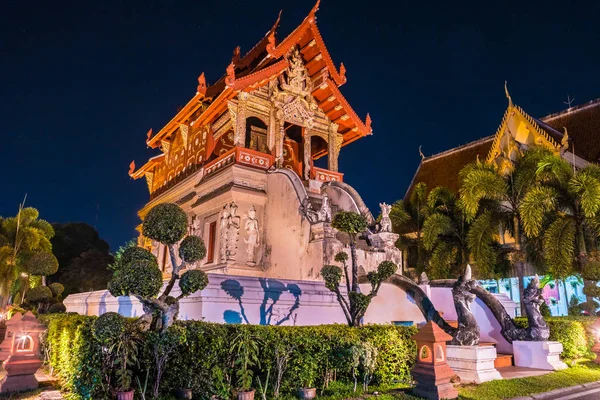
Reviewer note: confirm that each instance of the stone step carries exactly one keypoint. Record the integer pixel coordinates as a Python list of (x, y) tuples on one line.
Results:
[(503, 360)]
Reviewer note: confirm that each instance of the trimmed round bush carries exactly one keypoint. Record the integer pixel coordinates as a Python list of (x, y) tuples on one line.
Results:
[(192, 249), (192, 281), (41, 263), (39, 294), (332, 274), (108, 328), (166, 223), (136, 254), (140, 278), (386, 269), (57, 308), (349, 222), (591, 271), (56, 288), (341, 257)]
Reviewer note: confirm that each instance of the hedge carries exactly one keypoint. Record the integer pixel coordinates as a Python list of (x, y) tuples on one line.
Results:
[(573, 332), (203, 362)]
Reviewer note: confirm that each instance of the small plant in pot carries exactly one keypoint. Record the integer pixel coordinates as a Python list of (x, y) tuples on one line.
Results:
[(119, 342), (244, 348), (307, 378)]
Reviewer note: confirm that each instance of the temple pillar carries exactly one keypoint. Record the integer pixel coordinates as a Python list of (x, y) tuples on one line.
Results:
[(333, 147), (240, 122), (307, 153), (279, 143), (272, 131)]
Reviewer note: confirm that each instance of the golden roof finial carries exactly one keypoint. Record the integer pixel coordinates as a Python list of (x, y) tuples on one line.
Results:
[(510, 103), (421, 154)]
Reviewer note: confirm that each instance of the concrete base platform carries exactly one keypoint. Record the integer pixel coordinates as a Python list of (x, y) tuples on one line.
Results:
[(540, 355), (520, 372), (473, 364)]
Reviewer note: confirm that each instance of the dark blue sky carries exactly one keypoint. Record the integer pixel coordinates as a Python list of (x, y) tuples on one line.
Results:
[(83, 81)]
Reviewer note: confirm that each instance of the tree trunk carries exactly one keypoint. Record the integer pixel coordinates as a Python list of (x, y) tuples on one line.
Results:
[(519, 269), (354, 285)]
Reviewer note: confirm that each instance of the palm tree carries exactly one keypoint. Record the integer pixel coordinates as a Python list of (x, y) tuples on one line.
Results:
[(407, 219), (454, 241), (564, 210), (23, 238), (487, 193)]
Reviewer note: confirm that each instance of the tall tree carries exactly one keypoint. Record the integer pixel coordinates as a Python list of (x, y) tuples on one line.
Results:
[(25, 251), (564, 210), (356, 303), (407, 220), (487, 193), (454, 241), (69, 244)]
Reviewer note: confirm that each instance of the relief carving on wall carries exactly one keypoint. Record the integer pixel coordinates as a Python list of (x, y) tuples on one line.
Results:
[(229, 232), (324, 213), (253, 239)]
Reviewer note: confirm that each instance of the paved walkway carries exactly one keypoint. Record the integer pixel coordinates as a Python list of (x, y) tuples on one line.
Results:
[(587, 391)]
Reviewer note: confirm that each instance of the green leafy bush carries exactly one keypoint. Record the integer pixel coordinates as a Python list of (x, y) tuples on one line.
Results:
[(57, 308), (166, 223), (204, 363), (192, 281), (192, 249), (57, 289), (109, 328), (572, 332), (39, 294), (41, 263)]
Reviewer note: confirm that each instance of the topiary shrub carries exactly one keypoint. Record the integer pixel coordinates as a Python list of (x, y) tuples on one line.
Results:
[(109, 328), (136, 271), (57, 289), (41, 263), (166, 223), (356, 303), (192, 281), (39, 294), (57, 308)]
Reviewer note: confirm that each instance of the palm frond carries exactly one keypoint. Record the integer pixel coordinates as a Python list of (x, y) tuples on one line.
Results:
[(586, 187), (559, 247), (441, 198), (538, 201), (480, 241), (434, 226), (553, 168), (480, 181)]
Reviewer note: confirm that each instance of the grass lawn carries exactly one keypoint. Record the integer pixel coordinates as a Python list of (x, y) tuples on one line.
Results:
[(30, 395), (584, 372)]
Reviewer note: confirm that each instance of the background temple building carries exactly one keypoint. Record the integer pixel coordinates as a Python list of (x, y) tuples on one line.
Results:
[(573, 133)]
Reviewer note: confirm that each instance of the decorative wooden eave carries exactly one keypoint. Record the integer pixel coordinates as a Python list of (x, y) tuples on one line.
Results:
[(357, 128), (180, 118), (308, 26), (258, 78), (148, 167)]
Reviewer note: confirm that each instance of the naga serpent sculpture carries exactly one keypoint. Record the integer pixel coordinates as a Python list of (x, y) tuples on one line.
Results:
[(467, 333), (537, 331)]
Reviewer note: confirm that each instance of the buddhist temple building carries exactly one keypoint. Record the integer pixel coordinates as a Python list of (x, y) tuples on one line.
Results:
[(240, 156), (574, 133)]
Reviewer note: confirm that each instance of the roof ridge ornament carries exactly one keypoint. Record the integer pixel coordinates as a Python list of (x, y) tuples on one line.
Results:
[(510, 103), (149, 134), (421, 153), (230, 79), (368, 122), (311, 15), (201, 89), (131, 168), (343, 71), (237, 55)]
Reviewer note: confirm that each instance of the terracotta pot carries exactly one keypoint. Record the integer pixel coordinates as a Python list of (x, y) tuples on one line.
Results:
[(307, 393), (183, 393), (123, 395), (249, 395)]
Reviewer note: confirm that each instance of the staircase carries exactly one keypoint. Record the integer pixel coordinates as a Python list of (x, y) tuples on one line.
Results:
[(502, 360)]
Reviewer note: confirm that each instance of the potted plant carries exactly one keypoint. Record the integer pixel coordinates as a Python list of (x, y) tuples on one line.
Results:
[(306, 377), (244, 348), (119, 342)]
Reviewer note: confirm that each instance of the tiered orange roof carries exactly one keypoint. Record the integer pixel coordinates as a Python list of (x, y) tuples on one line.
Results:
[(265, 60)]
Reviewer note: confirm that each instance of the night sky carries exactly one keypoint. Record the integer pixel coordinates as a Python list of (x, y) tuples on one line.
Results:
[(83, 81)]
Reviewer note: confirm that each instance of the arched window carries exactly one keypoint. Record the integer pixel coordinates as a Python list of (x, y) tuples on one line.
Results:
[(24, 343), (439, 353), (425, 353)]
